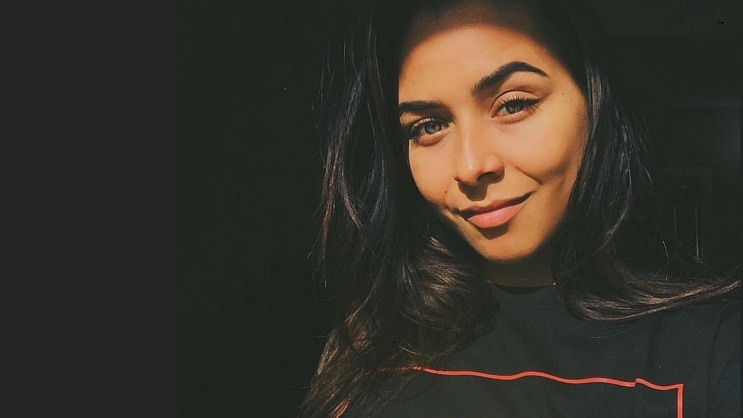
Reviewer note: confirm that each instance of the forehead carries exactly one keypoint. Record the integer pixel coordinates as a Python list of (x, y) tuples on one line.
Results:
[(460, 45), (464, 15)]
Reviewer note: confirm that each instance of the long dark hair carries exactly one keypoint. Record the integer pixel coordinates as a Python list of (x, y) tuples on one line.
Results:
[(407, 288)]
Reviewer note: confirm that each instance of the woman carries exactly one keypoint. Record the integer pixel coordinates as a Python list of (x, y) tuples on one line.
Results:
[(488, 226)]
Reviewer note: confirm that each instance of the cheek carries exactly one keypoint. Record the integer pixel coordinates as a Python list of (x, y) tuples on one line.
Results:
[(432, 182), (554, 149), (547, 163)]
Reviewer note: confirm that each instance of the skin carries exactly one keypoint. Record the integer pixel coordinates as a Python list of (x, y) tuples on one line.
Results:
[(518, 139)]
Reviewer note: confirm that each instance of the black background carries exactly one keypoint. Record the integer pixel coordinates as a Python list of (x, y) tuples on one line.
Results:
[(249, 329)]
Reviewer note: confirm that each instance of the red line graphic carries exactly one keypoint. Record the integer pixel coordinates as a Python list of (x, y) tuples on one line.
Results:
[(679, 387), (628, 384)]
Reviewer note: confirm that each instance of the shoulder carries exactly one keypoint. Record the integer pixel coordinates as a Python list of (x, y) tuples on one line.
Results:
[(702, 343), (703, 327), (722, 322), (715, 319)]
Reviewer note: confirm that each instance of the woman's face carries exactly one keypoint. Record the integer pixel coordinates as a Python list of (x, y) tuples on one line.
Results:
[(496, 128)]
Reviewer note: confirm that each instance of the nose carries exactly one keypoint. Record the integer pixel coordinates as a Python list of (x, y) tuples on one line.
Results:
[(477, 160)]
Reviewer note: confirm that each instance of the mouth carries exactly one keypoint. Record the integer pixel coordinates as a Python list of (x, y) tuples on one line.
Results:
[(495, 214)]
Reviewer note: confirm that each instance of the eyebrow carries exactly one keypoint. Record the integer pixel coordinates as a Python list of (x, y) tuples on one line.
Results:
[(492, 79), (503, 72), (418, 106)]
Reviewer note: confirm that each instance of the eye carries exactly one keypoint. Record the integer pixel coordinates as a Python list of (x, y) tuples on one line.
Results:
[(430, 127), (514, 106), (426, 131)]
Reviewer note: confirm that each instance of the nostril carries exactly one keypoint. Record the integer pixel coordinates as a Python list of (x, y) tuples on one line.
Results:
[(477, 190)]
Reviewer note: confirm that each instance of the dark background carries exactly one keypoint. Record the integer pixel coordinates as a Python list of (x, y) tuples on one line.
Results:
[(249, 329)]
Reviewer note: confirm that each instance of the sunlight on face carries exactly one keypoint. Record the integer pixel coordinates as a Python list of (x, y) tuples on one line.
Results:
[(496, 128)]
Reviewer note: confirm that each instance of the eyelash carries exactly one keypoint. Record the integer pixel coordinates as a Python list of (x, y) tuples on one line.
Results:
[(415, 129), (528, 106)]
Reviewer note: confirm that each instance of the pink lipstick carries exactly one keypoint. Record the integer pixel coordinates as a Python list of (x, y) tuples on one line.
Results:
[(495, 214)]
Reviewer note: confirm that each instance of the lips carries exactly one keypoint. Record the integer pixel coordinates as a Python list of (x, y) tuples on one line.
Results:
[(496, 213)]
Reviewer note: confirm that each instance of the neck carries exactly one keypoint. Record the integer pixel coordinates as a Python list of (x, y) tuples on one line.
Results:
[(534, 272)]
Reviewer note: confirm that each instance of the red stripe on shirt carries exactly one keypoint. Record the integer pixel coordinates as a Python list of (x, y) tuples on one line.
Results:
[(630, 384)]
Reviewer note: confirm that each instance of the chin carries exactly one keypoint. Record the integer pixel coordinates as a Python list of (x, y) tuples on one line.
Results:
[(512, 256)]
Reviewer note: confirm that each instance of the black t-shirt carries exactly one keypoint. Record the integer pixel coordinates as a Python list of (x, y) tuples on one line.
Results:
[(540, 361)]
